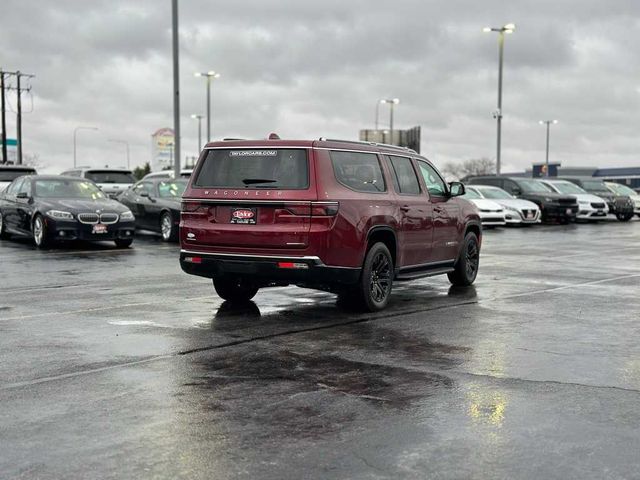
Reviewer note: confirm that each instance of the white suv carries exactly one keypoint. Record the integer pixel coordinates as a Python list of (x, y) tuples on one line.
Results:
[(112, 181)]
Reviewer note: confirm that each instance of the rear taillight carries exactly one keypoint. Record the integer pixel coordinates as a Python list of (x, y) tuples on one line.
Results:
[(190, 206), (293, 265)]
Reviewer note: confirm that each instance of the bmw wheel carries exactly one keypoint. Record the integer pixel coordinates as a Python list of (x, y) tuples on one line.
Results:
[(168, 228), (466, 268), (39, 231)]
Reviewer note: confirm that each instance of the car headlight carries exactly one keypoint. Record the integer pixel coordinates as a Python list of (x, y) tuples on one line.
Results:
[(60, 215), (511, 209), (127, 215), (583, 202), (547, 199)]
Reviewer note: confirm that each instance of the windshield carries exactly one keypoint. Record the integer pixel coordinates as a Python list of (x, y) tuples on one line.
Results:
[(11, 175), (255, 168), (471, 194), (534, 186), (568, 187), (620, 189), (108, 176), (171, 188), (495, 193), (67, 189)]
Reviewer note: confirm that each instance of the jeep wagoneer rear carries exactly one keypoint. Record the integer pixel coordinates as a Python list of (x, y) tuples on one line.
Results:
[(318, 214)]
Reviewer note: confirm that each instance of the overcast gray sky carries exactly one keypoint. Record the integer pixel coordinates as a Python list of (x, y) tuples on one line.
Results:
[(307, 69)]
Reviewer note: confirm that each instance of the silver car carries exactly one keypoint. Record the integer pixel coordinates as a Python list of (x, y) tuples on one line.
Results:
[(516, 210)]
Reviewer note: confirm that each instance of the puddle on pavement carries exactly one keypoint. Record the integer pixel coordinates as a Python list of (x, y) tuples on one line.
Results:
[(306, 395)]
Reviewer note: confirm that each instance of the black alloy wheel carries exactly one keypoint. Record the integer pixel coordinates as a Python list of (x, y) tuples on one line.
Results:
[(466, 268), (373, 290), (235, 289), (624, 217)]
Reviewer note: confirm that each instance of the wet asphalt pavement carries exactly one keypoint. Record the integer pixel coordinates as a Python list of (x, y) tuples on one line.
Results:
[(114, 364)]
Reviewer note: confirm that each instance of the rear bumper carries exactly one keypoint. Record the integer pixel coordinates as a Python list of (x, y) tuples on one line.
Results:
[(265, 269)]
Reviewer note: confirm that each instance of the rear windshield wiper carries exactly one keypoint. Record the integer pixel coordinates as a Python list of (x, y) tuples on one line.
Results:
[(252, 181)]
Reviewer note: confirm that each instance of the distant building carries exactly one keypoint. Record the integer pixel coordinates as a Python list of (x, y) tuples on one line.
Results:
[(403, 138), (629, 176)]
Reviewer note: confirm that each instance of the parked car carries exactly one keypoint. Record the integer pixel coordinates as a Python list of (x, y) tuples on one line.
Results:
[(112, 181), (346, 217), (591, 207), (491, 213), (620, 189), (51, 208), (619, 205), (156, 205), (186, 173), (553, 206), (516, 210), (8, 173)]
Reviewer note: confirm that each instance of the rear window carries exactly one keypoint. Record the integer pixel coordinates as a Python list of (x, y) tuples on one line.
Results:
[(12, 174), (110, 177), (358, 171), (280, 169)]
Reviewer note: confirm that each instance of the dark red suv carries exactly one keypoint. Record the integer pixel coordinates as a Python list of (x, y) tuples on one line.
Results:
[(341, 216)]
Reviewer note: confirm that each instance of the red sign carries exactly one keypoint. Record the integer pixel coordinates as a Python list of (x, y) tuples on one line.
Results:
[(243, 214)]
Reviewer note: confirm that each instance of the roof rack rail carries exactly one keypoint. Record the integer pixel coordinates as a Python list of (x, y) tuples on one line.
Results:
[(230, 139), (373, 144)]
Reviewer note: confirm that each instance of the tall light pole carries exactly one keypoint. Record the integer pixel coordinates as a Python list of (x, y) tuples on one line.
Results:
[(508, 28), (199, 118), (122, 141), (548, 123), (176, 87), (209, 76), (391, 102), (75, 134)]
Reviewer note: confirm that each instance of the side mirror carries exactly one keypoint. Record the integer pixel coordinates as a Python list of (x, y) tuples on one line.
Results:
[(23, 195), (516, 191), (144, 193), (456, 189)]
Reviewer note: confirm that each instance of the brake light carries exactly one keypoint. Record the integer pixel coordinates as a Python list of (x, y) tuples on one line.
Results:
[(193, 259), (293, 265), (191, 206)]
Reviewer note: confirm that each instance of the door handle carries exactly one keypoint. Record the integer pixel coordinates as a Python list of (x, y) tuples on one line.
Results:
[(405, 208)]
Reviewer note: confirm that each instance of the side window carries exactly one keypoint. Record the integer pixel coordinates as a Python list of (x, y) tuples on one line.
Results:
[(13, 188), (435, 184), (404, 176), (25, 187), (142, 187), (511, 186), (358, 171)]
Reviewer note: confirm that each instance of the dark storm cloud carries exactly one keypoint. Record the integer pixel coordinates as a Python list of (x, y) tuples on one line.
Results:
[(307, 69)]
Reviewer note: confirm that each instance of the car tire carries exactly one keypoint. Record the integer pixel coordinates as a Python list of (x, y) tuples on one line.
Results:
[(123, 242), (3, 231), (466, 267), (168, 229), (236, 289), (624, 217), (39, 232), (373, 290)]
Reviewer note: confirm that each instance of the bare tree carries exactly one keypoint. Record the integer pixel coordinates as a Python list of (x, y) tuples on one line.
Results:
[(32, 160), (471, 167)]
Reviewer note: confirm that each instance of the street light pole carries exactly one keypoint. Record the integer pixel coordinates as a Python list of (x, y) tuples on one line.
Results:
[(199, 118), (210, 75), (75, 134), (508, 28), (127, 145), (547, 123), (176, 87)]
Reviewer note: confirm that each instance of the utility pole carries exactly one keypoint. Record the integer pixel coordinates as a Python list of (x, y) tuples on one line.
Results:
[(4, 120), (176, 89), (18, 74)]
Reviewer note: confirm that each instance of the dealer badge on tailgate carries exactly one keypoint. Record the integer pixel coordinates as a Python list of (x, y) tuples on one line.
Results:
[(247, 216)]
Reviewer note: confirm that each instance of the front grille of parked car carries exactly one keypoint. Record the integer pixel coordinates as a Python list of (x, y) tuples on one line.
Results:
[(89, 218), (484, 210), (109, 218), (528, 213), (597, 205), (93, 218), (566, 201)]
